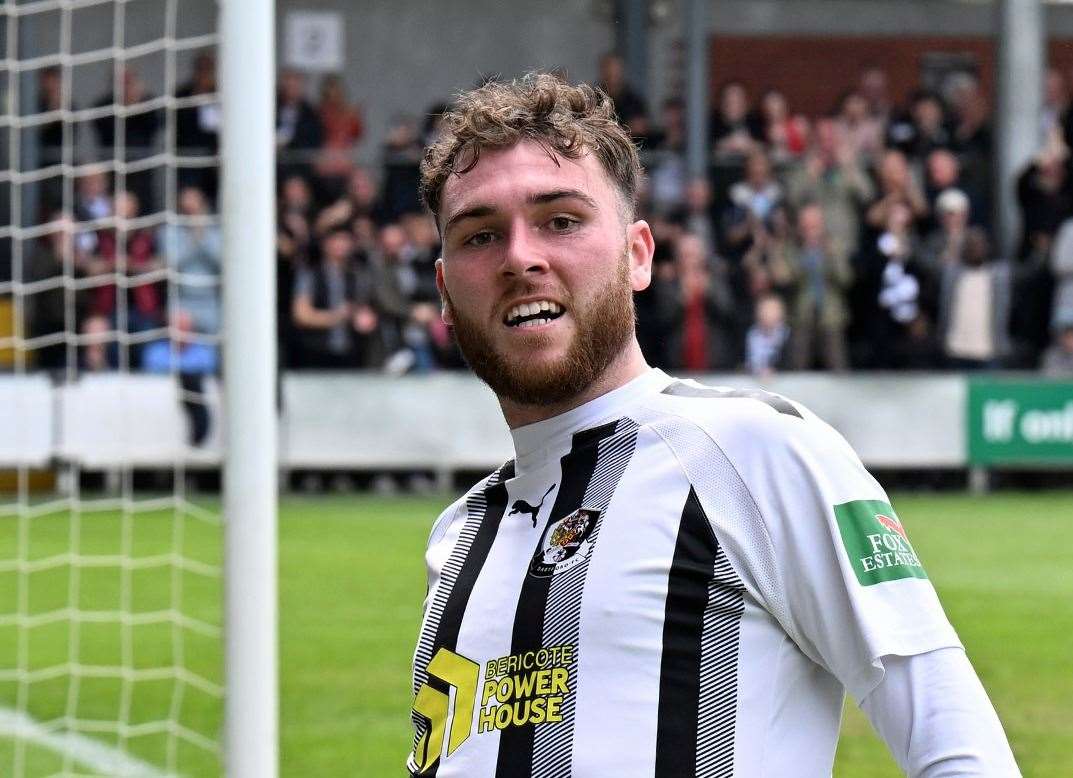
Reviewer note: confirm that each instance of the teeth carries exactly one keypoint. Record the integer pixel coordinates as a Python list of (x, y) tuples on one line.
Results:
[(531, 309)]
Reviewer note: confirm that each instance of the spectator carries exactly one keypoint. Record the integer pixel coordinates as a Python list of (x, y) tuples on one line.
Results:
[(970, 123), (922, 130), (298, 128), (1031, 318), (786, 135), (943, 246), (50, 135), (406, 303), (50, 98), (898, 319), (139, 134), (193, 249), (764, 264), (45, 308), (295, 213), (423, 244), (670, 133), (389, 272), (93, 201), (326, 307), (654, 330), (128, 253), (665, 160), (424, 240), (696, 310), (294, 250), (873, 87), (191, 361), (759, 193), (942, 171), (366, 233), (1055, 104), (819, 275), (832, 176), (402, 177), (1062, 271), (197, 127), (629, 105), (897, 186), (697, 218), (733, 135), (357, 202), (974, 306), (1058, 359), (99, 352), (752, 201), (1045, 194), (765, 343), (433, 126), (858, 129), (343, 128)]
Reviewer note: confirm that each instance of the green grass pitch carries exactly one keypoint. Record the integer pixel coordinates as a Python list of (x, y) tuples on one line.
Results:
[(351, 584)]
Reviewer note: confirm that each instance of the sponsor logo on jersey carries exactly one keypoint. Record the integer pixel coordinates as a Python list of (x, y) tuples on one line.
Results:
[(565, 543), (513, 690), (876, 542), (525, 688)]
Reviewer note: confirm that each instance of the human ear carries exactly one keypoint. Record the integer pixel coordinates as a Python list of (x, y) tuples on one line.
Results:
[(640, 246), (441, 287)]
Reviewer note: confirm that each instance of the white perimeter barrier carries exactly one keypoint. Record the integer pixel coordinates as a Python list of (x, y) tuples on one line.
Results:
[(443, 422)]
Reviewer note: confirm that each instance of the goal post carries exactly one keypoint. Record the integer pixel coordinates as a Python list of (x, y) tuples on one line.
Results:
[(247, 81), (138, 615)]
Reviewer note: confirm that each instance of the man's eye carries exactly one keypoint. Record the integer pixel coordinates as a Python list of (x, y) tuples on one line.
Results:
[(482, 238), (562, 223)]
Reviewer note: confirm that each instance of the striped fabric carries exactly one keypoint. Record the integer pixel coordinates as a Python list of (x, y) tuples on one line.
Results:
[(656, 586)]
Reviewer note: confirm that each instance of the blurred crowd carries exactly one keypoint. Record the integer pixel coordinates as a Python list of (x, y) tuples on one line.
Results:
[(856, 239)]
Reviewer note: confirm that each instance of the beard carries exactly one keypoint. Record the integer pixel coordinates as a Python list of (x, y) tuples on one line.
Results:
[(602, 331)]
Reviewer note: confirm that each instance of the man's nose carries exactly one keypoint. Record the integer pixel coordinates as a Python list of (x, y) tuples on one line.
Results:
[(523, 255)]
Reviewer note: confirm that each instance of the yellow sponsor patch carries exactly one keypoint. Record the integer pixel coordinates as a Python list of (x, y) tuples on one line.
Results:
[(525, 688)]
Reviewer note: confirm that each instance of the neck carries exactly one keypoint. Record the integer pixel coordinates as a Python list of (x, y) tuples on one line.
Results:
[(628, 365)]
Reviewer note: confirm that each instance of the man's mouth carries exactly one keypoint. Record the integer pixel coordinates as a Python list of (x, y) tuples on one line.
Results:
[(533, 314)]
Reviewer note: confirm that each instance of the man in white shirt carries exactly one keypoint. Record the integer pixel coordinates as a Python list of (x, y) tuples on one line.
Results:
[(668, 579)]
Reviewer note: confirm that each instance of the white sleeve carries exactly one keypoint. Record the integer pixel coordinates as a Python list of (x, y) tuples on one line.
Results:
[(936, 718), (836, 568)]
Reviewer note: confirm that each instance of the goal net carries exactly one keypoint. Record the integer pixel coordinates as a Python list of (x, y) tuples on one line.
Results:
[(110, 551)]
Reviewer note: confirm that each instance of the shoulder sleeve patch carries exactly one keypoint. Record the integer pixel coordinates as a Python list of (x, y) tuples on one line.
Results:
[(780, 404), (876, 543)]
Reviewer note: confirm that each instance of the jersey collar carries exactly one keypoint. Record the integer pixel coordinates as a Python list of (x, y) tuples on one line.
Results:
[(535, 443)]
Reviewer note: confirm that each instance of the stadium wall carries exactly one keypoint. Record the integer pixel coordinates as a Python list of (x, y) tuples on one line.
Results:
[(448, 46), (444, 422), (403, 57)]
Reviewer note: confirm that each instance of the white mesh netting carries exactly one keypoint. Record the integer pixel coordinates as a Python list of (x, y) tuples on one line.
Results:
[(110, 657)]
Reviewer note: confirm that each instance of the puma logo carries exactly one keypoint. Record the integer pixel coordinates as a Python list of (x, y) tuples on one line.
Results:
[(521, 506)]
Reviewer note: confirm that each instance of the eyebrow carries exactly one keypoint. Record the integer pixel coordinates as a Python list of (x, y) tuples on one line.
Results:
[(540, 198)]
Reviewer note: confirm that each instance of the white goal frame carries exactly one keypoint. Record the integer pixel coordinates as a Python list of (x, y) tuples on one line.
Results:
[(247, 92)]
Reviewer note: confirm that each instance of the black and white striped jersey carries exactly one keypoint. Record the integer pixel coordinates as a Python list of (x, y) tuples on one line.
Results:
[(671, 580)]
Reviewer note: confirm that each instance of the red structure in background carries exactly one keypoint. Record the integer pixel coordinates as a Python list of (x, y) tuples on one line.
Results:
[(814, 72)]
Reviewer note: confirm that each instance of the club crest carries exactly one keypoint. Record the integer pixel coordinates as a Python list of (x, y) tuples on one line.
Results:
[(564, 543)]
